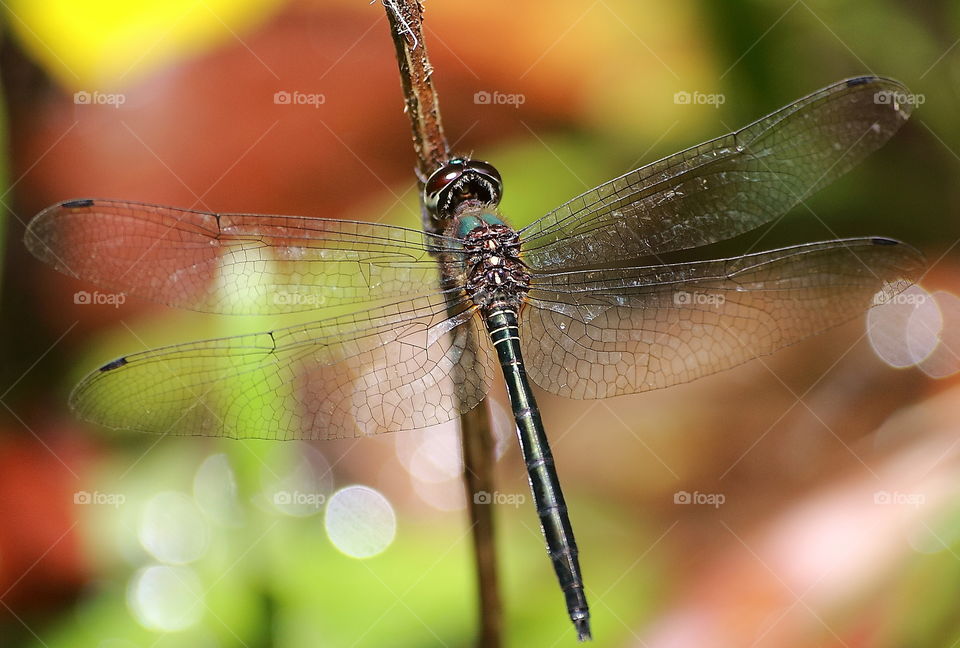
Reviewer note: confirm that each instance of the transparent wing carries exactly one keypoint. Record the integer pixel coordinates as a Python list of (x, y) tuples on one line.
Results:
[(234, 263), (723, 187), (404, 366), (595, 334)]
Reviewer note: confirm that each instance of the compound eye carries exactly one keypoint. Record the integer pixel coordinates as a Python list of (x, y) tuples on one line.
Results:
[(460, 181), (439, 181), (487, 169)]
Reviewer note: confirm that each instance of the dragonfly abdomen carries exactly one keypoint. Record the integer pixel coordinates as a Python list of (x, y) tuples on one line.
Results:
[(501, 321)]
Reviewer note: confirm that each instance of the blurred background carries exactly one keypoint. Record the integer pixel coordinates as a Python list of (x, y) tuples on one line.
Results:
[(809, 499)]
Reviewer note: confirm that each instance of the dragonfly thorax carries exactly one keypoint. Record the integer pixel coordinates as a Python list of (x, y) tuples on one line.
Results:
[(494, 272)]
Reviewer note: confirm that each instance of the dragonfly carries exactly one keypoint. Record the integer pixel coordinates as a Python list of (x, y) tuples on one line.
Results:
[(578, 303)]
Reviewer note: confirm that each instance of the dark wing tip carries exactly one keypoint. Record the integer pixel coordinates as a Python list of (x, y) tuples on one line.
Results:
[(880, 240), (116, 364), (911, 263), (883, 83), (43, 219), (77, 204), (905, 247)]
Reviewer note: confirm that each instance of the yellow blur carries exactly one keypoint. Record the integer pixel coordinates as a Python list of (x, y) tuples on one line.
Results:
[(109, 43)]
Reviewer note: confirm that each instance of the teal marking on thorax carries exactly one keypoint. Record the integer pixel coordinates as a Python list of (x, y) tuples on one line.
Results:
[(467, 224), (491, 219), (473, 221)]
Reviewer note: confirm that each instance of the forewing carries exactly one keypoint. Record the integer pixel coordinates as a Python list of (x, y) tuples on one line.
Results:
[(596, 334), (234, 263), (723, 187), (400, 367)]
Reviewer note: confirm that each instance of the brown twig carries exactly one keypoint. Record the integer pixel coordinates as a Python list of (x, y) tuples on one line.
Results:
[(420, 98), (430, 144), (478, 478)]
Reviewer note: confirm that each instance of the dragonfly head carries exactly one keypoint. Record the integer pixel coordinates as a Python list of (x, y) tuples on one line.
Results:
[(460, 181)]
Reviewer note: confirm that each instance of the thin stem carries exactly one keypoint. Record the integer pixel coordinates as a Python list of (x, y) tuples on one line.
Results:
[(422, 105), (430, 145), (478, 463)]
